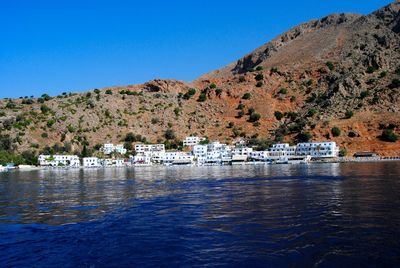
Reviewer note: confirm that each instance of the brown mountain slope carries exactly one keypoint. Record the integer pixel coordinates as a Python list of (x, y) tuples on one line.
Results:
[(313, 75)]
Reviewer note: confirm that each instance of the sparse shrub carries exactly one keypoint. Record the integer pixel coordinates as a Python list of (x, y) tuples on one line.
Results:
[(231, 125), (240, 114), (371, 69), (240, 106), (242, 79), (189, 93), (398, 71), (213, 86), (10, 105), (254, 117), (383, 74), (259, 77), (177, 111), (155, 120), (335, 132), (282, 91), (388, 135), (349, 114), (259, 84), (44, 108), (169, 134), (109, 92), (259, 68), (278, 115), (202, 97), (274, 70), (364, 94), (44, 135), (304, 137), (352, 134), (218, 91), (311, 112), (330, 65), (250, 110), (395, 83), (97, 91), (246, 96), (292, 98)]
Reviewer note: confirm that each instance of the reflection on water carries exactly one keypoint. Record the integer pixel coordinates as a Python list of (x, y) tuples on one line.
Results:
[(280, 215)]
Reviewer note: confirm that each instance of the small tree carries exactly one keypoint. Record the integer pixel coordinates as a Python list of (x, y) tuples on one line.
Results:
[(335, 132), (259, 84), (242, 79), (108, 92)]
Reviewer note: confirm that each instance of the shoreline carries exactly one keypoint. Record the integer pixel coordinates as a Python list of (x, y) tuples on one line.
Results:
[(341, 160)]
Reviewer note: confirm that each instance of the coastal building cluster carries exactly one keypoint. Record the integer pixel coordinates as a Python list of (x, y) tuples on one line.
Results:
[(198, 152)]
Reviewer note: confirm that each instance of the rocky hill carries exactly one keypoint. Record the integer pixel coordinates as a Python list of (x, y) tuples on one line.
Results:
[(335, 78)]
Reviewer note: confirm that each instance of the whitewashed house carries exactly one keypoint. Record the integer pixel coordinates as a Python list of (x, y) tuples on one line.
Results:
[(177, 158), (112, 162), (59, 160), (327, 149), (281, 152), (192, 141), (156, 152), (91, 162), (109, 148), (141, 159)]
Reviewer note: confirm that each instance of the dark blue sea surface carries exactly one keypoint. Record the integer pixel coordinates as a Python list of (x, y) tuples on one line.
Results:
[(318, 215)]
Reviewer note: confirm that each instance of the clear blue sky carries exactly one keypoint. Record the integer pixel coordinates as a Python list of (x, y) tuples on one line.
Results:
[(49, 46)]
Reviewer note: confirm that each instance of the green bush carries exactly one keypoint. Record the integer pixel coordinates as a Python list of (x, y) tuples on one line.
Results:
[(383, 74), (45, 135), (335, 132), (259, 68), (371, 69), (352, 134), (240, 106), (10, 105), (330, 65), (259, 84), (254, 117), (109, 92), (189, 93), (278, 115), (304, 137), (231, 125), (213, 86), (388, 135), (348, 114), (44, 108), (242, 79), (259, 77), (202, 97), (364, 94), (311, 112), (282, 91), (395, 83), (218, 91), (169, 134), (246, 96), (240, 114)]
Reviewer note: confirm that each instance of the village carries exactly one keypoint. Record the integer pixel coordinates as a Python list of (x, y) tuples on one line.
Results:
[(198, 152)]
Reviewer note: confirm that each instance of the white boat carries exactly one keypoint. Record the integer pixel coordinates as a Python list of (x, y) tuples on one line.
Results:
[(2, 169)]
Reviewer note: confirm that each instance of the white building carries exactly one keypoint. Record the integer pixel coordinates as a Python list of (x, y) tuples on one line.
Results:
[(112, 162), (91, 162), (327, 149), (177, 158), (109, 148), (141, 159), (242, 150), (213, 153), (192, 141), (59, 160), (143, 148)]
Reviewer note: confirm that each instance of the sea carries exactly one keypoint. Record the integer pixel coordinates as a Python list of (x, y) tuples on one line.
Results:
[(315, 215)]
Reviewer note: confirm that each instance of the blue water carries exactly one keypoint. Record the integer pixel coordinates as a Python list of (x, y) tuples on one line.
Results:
[(323, 215)]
